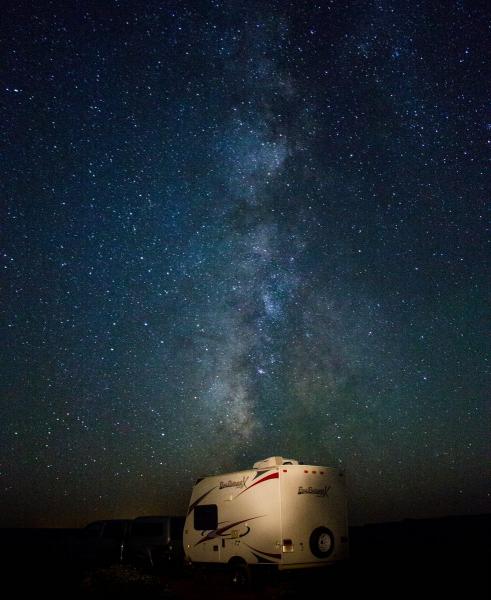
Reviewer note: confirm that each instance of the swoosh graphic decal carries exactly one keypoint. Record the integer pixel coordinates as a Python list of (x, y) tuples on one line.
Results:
[(271, 555), (260, 559), (218, 532), (274, 475), (260, 473), (196, 502)]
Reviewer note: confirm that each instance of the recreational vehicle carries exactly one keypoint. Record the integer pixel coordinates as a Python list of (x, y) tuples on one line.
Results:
[(279, 513)]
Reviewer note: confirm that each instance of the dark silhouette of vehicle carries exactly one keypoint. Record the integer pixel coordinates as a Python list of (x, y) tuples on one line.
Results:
[(103, 542), (155, 542)]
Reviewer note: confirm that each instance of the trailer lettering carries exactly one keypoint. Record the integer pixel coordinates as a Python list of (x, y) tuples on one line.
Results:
[(237, 484), (321, 492)]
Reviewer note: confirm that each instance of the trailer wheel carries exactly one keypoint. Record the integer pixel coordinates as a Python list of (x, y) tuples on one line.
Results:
[(240, 574), (322, 542)]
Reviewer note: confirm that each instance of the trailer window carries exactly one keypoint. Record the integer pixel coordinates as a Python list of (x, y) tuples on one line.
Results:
[(206, 517)]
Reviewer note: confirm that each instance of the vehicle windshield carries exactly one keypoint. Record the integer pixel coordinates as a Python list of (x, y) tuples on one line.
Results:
[(147, 529)]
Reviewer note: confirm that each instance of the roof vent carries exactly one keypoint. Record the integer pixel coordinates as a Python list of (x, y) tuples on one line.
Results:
[(274, 461)]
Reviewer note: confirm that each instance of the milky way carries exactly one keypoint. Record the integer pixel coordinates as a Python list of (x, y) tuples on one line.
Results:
[(234, 230)]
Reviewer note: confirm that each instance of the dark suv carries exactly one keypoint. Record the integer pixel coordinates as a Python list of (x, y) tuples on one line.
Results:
[(156, 542), (103, 542)]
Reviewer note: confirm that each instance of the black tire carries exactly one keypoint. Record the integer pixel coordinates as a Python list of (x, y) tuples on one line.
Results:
[(240, 575), (322, 542)]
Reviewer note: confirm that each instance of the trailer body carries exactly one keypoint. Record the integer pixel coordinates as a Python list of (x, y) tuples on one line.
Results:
[(278, 513)]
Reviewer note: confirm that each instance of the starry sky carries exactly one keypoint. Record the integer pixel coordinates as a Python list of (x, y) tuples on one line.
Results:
[(236, 229)]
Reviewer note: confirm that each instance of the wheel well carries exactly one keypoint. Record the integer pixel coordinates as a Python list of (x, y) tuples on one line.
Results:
[(237, 560)]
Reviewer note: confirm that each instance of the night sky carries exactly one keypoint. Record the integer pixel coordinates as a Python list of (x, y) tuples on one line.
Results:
[(236, 229)]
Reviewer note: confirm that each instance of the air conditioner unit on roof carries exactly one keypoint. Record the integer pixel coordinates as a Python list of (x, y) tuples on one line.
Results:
[(274, 461)]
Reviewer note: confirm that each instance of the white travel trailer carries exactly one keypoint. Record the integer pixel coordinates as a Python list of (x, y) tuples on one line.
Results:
[(278, 513)]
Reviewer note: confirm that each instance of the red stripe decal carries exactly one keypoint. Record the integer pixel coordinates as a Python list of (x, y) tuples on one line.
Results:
[(271, 476)]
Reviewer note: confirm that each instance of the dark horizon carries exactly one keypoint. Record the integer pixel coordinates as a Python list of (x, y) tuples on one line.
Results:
[(41, 517), (236, 230)]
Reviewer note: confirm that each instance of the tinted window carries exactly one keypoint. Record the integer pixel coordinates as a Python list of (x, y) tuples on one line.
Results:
[(206, 517), (147, 529), (93, 530), (176, 528), (113, 531)]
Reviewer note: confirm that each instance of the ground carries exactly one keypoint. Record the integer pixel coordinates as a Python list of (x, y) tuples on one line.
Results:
[(441, 558)]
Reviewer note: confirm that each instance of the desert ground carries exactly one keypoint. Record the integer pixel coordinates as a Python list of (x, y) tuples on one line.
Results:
[(441, 557)]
